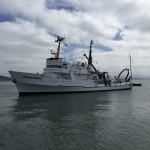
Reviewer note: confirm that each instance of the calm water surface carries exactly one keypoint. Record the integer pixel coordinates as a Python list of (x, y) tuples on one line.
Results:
[(118, 120)]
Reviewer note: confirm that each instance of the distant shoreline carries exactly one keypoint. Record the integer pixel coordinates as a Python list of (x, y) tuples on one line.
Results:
[(4, 78)]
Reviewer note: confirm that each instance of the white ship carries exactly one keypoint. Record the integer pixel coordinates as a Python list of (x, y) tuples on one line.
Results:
[(65, 77)]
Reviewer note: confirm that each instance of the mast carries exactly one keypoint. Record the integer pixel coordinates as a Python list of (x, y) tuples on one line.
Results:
[(90, 56), (90, 53), (130, 66), (58, 40)]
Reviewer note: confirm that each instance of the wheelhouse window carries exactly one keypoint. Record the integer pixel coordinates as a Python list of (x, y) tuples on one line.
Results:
[(53, 66), (56, 66)]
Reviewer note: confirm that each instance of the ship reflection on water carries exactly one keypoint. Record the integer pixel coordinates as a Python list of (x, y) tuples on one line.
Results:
[(60, 105)]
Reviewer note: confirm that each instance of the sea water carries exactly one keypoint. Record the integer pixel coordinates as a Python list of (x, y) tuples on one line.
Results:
[(116, 120)]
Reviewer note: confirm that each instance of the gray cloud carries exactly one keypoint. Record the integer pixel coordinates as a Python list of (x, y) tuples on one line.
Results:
[(25, 38)]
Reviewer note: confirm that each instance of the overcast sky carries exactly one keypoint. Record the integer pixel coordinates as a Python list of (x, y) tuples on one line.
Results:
[(118, 27)]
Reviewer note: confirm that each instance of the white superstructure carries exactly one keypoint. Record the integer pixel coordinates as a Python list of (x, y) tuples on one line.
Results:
[(60, 76)]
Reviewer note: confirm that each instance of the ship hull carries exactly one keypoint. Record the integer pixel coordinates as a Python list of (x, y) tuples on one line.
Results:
[(26, 89), (38, 84)]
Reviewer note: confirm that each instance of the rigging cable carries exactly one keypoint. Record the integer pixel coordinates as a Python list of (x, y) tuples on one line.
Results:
[(136, 73)]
